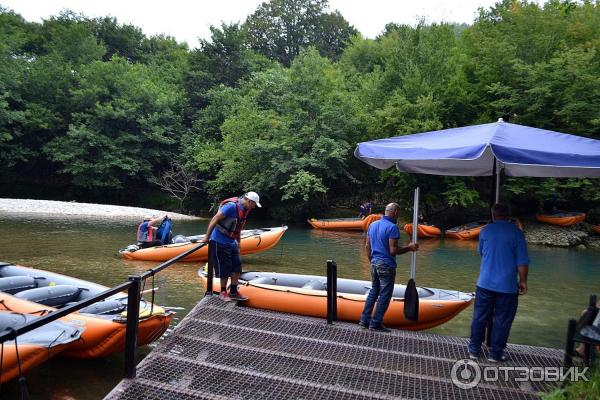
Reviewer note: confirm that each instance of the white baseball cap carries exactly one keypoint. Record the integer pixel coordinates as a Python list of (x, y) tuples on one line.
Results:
[(147, 217), (254, 197)]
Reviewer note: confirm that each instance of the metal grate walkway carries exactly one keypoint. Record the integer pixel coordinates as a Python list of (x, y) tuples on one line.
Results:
[(220, 350)]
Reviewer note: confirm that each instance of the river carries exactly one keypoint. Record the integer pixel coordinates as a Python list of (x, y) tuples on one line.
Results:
[(560, 282)]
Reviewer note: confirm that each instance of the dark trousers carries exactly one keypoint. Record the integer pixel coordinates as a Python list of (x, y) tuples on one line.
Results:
[(500, 306), (145, 245)]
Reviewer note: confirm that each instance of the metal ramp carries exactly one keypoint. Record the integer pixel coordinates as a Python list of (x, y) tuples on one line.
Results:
[(220, 350)]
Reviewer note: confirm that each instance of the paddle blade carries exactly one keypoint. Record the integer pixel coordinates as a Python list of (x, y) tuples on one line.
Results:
[(411, 301)]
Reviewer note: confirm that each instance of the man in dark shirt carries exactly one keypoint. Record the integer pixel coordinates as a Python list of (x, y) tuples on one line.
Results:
[(503, 276)]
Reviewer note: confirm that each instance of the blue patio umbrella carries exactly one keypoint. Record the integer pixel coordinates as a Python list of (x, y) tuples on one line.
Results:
[(486, 150)]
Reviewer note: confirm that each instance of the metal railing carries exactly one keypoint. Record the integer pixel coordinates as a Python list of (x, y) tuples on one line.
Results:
[(133, 287), (574, 335)]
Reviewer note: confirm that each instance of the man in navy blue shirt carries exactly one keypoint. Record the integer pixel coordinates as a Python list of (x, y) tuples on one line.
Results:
[(382, 248), (503, 276)]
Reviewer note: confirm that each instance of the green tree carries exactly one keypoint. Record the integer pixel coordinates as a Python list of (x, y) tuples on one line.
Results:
[(122, 39), (13, 38), (124, 125), (285, 136), (280, 29), (224, 60)]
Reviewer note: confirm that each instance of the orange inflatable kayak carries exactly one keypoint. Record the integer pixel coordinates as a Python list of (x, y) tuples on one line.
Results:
[(252, 241), (345, 224), (468, 231), (307, 295), (424, 231), (38, 292), (596, 228), (34, 347), (561, 218)]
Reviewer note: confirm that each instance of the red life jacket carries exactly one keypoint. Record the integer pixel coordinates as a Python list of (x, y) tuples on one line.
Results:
[(233, 226)]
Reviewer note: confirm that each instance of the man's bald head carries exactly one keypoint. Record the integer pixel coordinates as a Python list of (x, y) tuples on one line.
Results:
[(391, 210)]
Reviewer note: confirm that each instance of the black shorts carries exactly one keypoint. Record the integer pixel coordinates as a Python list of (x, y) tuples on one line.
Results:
[(145, 245), (225, 259)]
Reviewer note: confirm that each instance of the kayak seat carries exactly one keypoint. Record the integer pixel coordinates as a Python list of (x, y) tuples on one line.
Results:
[(15, 284), (181, 239), (315, 285), (104, 307), (54, 296), (265, 280), (13, 320)]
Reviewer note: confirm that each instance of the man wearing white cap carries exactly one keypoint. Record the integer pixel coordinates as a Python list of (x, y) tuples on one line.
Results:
[(223, 236)]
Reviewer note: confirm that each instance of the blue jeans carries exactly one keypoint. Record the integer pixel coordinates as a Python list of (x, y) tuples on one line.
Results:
[(382, 287), (500, 306)]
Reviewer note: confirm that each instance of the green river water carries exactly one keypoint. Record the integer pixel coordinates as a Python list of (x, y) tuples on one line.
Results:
[(560, 282)]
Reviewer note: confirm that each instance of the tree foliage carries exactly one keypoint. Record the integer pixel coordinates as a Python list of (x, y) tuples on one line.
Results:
[(280, 29), (277, 103)]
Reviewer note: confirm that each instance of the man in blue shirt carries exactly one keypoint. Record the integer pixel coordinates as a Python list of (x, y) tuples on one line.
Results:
[(382, 248), (503, 276), (223, 235)]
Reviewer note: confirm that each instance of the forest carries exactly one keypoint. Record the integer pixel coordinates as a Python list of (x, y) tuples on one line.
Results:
[(95, 110)]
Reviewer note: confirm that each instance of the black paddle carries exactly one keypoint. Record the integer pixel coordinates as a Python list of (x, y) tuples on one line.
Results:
[(411, 296)]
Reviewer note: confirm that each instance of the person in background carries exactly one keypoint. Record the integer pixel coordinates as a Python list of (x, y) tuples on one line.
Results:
[(223, 237), (502, 278), (550, 206), (382, 248), (365, 209), (146, 232)]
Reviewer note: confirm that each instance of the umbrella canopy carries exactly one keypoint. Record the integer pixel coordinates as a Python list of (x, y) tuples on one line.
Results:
[(473, 150)]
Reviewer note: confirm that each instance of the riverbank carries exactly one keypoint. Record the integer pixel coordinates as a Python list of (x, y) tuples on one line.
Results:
[(579, 235), (49, 208)]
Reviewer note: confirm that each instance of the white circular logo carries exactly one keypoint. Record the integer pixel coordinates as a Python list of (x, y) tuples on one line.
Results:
[(465, 374)]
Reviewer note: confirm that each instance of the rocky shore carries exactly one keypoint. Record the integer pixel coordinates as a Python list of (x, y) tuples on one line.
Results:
[(579, 235), (51, 208)]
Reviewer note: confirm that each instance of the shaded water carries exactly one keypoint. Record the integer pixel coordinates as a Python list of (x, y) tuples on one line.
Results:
[(560, 282)]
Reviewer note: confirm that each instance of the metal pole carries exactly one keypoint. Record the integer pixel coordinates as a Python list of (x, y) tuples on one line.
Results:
[(331, 291), (493, 194), (209, 275), (133, 314), (413, 254), (334, 291), (593, 300), (588, 351), (570, 344), (498, 177)]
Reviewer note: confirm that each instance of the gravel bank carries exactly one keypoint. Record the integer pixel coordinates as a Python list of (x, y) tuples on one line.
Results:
[(80, 210), (579, 235)]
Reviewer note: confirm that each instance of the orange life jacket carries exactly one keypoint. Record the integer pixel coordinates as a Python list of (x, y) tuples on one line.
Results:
[(233, 227)]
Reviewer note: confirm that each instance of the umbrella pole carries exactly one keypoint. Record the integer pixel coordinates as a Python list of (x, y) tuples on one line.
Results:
[(413, 260), (497, 189), (496, 172), (411, 295)]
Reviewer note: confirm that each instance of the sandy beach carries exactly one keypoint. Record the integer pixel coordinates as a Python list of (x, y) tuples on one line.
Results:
[(52, 208)]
